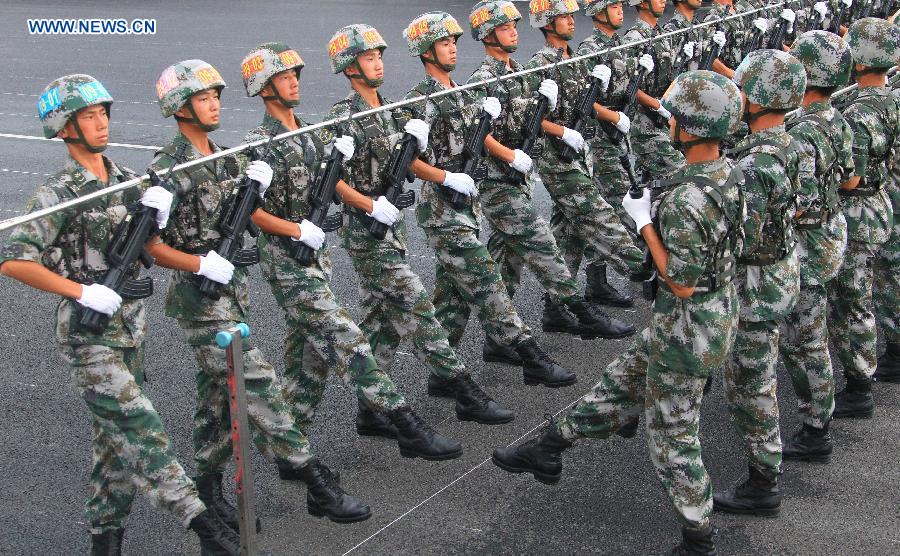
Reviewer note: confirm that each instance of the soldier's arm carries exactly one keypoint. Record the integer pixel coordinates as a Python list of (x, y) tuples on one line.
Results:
[(719, 67), (757, 204), (427, 172), (646, 100), (169, 257), (352, 197), (498, 150), (40, 277), (861, 142), (809, 188), (661, 259), (272, 225)]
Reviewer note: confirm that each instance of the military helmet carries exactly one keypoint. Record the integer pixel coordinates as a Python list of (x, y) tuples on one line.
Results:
[(704, 103), (178, 82), (63, 97), (874, 42), (594, 7), (264, 62), (487, 15), (772, 79), (825, 56), (351, 41), (542, 12), (428, 29)]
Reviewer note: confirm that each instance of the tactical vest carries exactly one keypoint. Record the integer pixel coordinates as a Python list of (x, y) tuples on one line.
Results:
[(295, 159), (866, 188), (828, 181), (374, 151)]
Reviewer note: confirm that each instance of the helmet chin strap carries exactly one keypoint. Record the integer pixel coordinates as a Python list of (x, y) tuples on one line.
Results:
[(649, 8), (195, 120), (509, 49), (607, 21), (435, 61), (749, 117), (277, 96), (683, 146), (80, 140), (374, 83)]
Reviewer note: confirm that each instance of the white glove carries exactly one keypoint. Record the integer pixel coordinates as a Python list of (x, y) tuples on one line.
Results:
[(663, 112), (821, 8), (720, 38), (462, 183), (310, 234), (418, 129), (761, 24), (847, 3), (624, 123), (100, 298), (157, 197), (573, 139), (521, 162), (787, 14), (549, 89), (345, 145), (688, 49), (215, 267), (491, 105), (384, 211), (603, 73), (260, 172), (646, 62), (638, 209)]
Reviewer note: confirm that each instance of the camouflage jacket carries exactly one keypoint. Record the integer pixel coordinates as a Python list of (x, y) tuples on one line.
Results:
[(452, 118), (193, 228), (699, 37), (690, 334), (736, 31), (662, 51), (374, 136), (825, 142), (603, 150), (294, 164), (875, 118), (768, 273), (72, 243)]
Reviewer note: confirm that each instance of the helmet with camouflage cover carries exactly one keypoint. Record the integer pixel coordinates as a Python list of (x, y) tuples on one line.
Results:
[(543, 12), (487, 15), (179, 82), (594, 7), (704, 103), (772, 79), (825, 56), (874, 42), (428, 29), (63, 98), (263, 63)]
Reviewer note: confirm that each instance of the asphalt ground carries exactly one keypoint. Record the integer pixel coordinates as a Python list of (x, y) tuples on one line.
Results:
[(609, 501)]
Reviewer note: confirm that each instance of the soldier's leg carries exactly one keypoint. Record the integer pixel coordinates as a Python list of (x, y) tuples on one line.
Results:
[(570, 244), (887, 296), (305, 377), (450, 309), (852, 322)]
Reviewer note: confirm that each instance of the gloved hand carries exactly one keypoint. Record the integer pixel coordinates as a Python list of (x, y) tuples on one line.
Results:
[(821, 8), (310, 234), (216, 268), (260, 172), (638, 209), (787, 14), (345, 145), (521, 162), (688, 49), (573, 139), (384, 211), (157, 197), (624, 123), (761, 24), (720, 38), (549, 89), (491, 105), (100, 298), (847, 3), (462, 183), (663, 112), (418, 129), (646, 62), (603, 73)]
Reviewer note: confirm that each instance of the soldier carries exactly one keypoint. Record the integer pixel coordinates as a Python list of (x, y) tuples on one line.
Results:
[(825, 142), (873, 115), (736, 30), (692, 239), (190, 92), (768, 280), (585, 218), (63, 254), (466, 275), (690, 45)]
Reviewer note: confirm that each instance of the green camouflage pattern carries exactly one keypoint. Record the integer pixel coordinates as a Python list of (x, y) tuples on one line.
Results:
[(698, 36), (72, 243), (428, 29), (771, 79), (594, 7), (351, 41), (887, 268), (825, 56), (543, 12), (852, 319), (704, 103), (737, 30), (874, 42), (487, 15), (264, 62), (63, 97), (178, 82)]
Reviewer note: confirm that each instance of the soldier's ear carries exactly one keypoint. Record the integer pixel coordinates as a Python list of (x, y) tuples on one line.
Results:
[(66, 131)]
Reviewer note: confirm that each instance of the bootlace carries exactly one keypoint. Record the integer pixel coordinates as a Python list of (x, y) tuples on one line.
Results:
[(468, 387)]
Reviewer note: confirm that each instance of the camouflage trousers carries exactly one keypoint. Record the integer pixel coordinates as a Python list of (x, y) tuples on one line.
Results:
[(750, 390), (519, 236), (397, 306), (321, 337), (654, 153), (583, 219), (131, 450), (887, 272), (852, 321), (273, 429), (466, 276)]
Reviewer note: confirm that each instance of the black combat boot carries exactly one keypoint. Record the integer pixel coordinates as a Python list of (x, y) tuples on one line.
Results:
[(629, 429), (809, 444), (855, 400), (597, 324), (599, 291), (373, 423), (107, 543), (216, 538), (472, 403), (492, 352), (889, 364), (557, 318), (417, 439), (541, 456), (286, 472), (326, 498), (540, 368), (209, 486), (695, 542), (758, 495)]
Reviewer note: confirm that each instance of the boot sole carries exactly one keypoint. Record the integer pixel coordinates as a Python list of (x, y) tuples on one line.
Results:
[(407, 453), (531, 381), (375, 433), (540, 477), (855, 415), (316, 511), (589, 335), (607, 303), (475, 419), (759, 512), (819, 458)]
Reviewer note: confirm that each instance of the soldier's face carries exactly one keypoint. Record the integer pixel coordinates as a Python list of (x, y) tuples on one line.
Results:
[(564, 26), (507, 35), (206, 106), (658, 6), (616, 15), (445, 49), (287, 84), (94, 124), (371, 64)]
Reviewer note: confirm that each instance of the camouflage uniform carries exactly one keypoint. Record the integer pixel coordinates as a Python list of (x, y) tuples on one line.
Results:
[(681, 62), (887, 266), (131, 450), (735, 30)]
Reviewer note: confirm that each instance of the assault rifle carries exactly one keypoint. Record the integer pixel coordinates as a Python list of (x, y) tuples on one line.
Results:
[(628, 108), (583, 115), (711, 53), (395, 175), (473, 152)]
